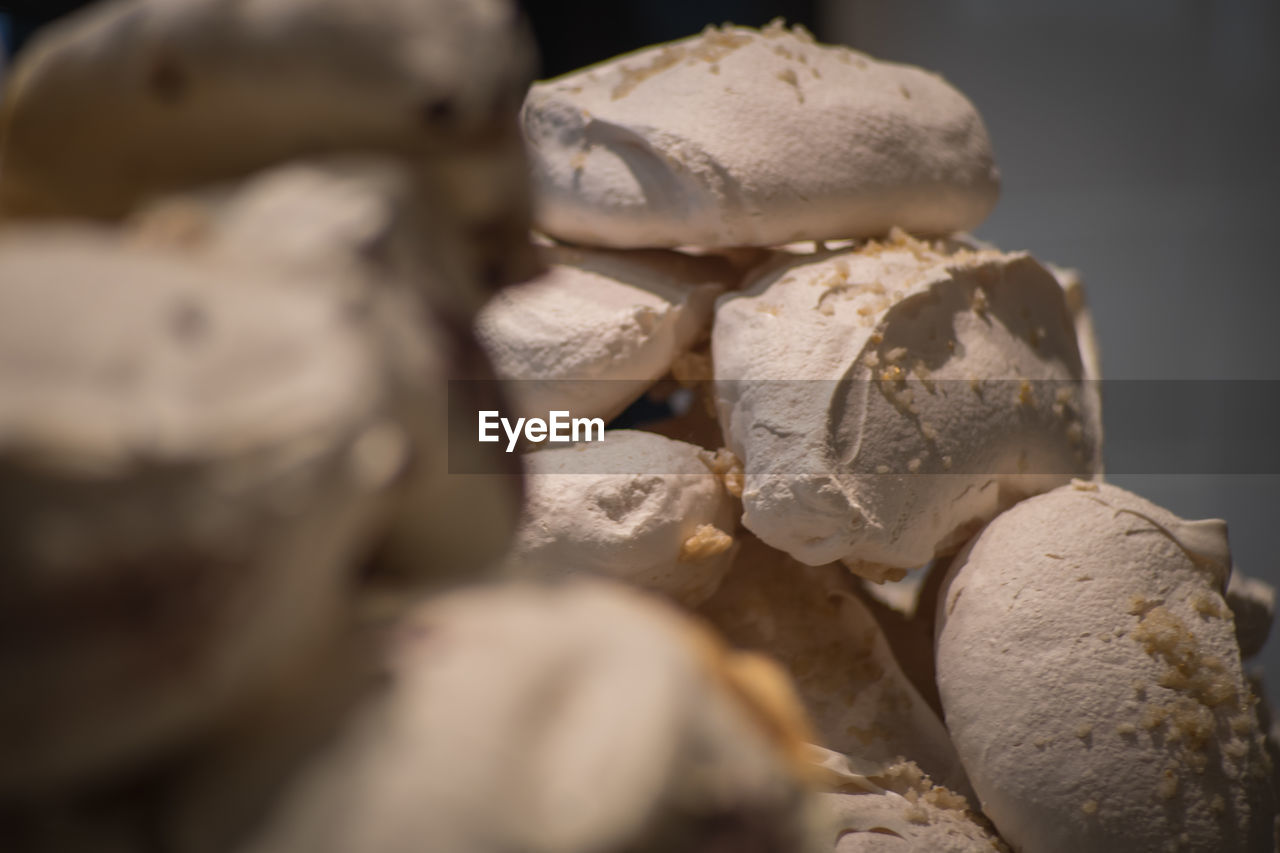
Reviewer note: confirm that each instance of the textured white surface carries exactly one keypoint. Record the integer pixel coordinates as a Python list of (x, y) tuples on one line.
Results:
[(887, 399), (1091, 681), (633, 507), (576, 718), (741, 137), (594, 332), (810, 619)]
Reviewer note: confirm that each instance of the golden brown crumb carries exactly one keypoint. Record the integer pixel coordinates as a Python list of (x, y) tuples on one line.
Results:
[(918, 814), (727, 466), (706, 542)]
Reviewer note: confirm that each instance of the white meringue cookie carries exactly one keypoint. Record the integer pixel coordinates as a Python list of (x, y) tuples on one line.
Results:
[(192, 458), (354, 220), (811, 620), (577, 719), (599, 328), (739, 137), (145, 97), (886, 400), (1092, 684), (637, 507), (363, 229), (150, 95)]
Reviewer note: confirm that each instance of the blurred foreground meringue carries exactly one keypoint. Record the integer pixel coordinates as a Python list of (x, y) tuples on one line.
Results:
[(573, 718), (127, 100), (365, 230), (192, 456)]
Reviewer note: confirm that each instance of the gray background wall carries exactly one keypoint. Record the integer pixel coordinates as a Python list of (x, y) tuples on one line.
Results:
[(1139, 143)]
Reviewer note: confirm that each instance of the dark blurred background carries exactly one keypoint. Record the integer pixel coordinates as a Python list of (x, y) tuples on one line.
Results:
[(1139, 143)]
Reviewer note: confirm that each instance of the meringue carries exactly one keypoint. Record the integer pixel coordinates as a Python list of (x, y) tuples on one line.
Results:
[(636, 507), (506, 710), (885, 401), (811, 620), (1092, 684), (739, 137), (599, 328), (150, 96), (356, 221), (364, 229), (192, 456)]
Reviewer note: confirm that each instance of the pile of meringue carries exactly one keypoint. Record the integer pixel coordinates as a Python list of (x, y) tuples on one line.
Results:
[(262, 262)]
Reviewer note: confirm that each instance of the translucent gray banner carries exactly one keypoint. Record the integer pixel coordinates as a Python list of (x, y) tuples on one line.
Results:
[(1149, 426)]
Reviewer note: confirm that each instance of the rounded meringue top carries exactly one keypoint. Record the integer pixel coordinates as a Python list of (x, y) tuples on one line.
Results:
[(741, 137), (1092, 683)]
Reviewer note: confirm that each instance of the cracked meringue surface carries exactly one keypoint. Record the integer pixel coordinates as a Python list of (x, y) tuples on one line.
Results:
[(887, 400), (1091, 679), (741, 137)]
